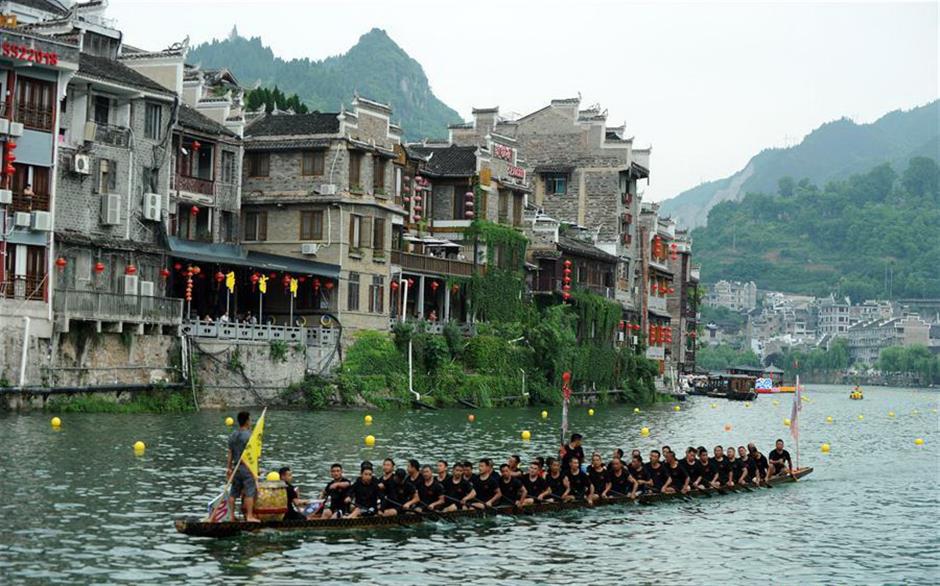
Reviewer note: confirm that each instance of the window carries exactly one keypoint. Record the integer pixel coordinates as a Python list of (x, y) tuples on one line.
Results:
[(377, 295), (107, 176), (378, 174), (259, 164), (153, 121), (312, 162), (517, 209), (34, 103), (311, 225), (150, 180), (228, 167), (352, 292), (378, 238), (556, 183), (102, 111), (256, 226), (355, 232), (503, 206), (355, 169)]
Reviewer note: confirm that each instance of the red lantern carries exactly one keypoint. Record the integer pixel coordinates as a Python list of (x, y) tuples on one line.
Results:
[(177, 266), (434, 285), (60, 263), (691, 334), (623, 325), (566, 377), (411, 283), (255, 278), (286, 280), (194, 211), (273, 275), (566, 296), (329, 285), (130, 270), (566, 288), (301, 278), (417, 218), (394, 285), (672, 290), (197, 145), (99, 267), (316, 284), (469, 215), (220, 276), (164, 273), (567, 264)]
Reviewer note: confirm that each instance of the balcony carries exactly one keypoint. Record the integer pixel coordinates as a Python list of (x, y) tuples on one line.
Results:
[(35, 117), (432, 264), (311, 336), (549, 284), (99, 306), (38, 202), (116, 136), (657, 303), (194, 185)]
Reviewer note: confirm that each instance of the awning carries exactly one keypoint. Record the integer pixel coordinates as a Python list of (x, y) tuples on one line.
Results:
[(233, 254), (658, 313), (432, 242)]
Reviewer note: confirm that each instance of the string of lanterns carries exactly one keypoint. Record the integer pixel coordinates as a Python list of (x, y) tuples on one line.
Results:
[(566, 281)]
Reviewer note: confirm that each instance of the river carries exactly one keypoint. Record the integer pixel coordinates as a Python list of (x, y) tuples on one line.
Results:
[(80, 507)]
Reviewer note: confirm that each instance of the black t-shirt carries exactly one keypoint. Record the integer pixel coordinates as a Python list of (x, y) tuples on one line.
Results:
[(292, 513), (456, 491), (657, 475), (619, 484), (442, 480), (557, 484), (678, 476), (736, 466), (366, 496), (570, 453), (760, 462), (779, 457), (511, 490), (337, 496), (748, 464), (397, 493), (691, 470), (638, 474), (598, 479), (706, 471), (429, 494), (533, 488), (486, 489), (723, 467), (578, 484)]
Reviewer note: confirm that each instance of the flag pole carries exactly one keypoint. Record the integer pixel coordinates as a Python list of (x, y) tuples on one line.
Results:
[(799, 394), (231, 475)]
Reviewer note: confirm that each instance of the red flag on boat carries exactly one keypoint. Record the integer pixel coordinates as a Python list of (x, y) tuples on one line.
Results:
[(795, 411)]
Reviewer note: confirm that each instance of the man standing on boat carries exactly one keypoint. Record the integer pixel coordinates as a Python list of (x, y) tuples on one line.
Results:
[(244, 483)]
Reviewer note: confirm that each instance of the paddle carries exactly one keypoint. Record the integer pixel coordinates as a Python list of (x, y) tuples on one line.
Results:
[(422, 512), (460, 502)]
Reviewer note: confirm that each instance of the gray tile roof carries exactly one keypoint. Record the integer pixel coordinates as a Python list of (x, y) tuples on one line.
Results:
[(582, 248), (195, 120), (294, 124), (449, 161), (115, 71)]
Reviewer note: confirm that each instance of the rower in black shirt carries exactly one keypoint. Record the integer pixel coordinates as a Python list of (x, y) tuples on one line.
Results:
[(706, 470), (442, 475), (618, 481), (571, 450), (468, 474), (514, 462), (555, 481), (747, 474), (690, 464), (511, 490), (486, 485), (414, 472), (364, 493), (639, 477), (780, 461), (722, 466), (735, 466), (536, 488), (761, 465), (617, 455), (576, 481), (336, 491), (388, 471), (429, 492), (458, 491), (400, 495), (656, 471), (294, 503), (597, 476), (678, 480)]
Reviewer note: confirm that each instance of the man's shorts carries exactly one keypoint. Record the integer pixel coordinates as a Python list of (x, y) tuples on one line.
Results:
[(243, 484)]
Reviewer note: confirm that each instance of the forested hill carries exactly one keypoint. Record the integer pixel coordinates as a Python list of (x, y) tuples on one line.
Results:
[(375, 66), (833, 151), (843, 237)]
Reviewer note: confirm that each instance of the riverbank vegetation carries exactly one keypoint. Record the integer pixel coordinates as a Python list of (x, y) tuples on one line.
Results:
[(915, 363), (160, 400)]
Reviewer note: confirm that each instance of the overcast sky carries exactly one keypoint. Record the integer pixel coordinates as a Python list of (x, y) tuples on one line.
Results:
[(707, 84)]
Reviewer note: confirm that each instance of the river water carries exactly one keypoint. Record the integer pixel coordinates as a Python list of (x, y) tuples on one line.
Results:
[(79, 506)]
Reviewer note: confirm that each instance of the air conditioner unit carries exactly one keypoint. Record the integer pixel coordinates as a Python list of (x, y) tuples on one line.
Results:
[(41, 222), (91, 129), (309, 248), (146, 288), (327, 189), (6, 197), (21, 219), (16, 129), (81, 164), (130, 284), (153, 205), (4, 126), (111, 209)]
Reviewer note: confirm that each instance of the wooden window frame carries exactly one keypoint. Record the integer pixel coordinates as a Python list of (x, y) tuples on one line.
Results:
[(258, 162), (311, 225), (355, 163), (260, 226), (378, 173), (352, 292), (378, 237), (315, 166)]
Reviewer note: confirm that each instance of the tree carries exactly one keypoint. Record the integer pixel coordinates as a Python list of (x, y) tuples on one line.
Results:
[(922, 178), (786, 186)]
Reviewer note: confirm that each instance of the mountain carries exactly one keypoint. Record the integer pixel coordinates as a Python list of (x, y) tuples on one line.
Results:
[(835, 150), (375, 67), (872, 235)]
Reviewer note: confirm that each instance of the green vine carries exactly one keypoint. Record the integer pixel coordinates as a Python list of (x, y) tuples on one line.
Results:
[(278, 351), (498, 295), (597, 317)]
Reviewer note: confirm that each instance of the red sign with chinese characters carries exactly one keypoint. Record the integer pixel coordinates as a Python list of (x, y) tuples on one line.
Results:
[(502, 152), (24, 53), (517, 172)]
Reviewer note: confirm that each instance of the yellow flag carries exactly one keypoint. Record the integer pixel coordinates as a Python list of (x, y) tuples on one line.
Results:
[(293, 287), (230, 281), (252, 453), (263, 284)]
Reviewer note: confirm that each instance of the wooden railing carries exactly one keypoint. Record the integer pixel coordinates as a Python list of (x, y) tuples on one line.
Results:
[(32, 287), (34, 117), (194, 185), (101, 306), (116, 136), (38, 202), (432, 264)]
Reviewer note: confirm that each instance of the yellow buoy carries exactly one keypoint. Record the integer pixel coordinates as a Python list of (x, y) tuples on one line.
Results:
[(526, 435), (139, 447), (273, 476), (636, 409), (776, 402), (677, 408), (824, 448), (590, 412), (861, 417), (367, 419), (828, 419), (919, 442), (544, 414), (890, 413), (55, 422), (645, 432), (747, 403), (786, 421), (915, 412), (714, 405), (727, 427), (370, 440), (229, 422), (471, 418)]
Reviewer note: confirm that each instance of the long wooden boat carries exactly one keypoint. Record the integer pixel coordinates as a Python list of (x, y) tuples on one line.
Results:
[(198, 527)]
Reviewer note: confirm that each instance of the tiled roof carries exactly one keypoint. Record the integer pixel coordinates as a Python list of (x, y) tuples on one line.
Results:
[(110, 70), (450, 161), (287, 145), (294, 124), (195, 120), (46, 5), (582, 248)]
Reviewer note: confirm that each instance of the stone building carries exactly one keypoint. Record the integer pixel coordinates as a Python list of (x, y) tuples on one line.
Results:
[(322, 188), (867, 339), (833, 316), (734, 295)]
